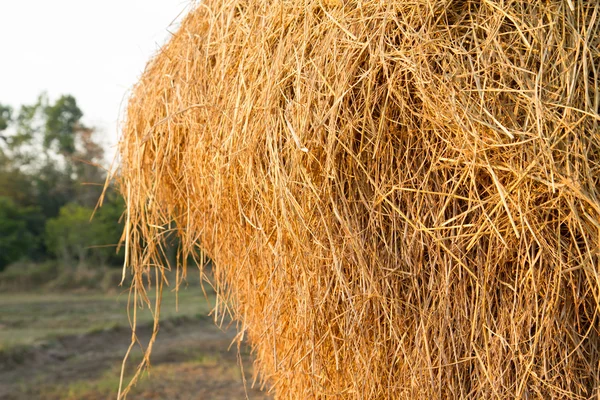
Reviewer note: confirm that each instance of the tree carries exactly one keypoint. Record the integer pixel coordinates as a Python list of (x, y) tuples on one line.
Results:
[(62, 124), (49, 163), (16, 238), (5, 117), (69, 235), (5, 120), (74, 237), (14, 184)]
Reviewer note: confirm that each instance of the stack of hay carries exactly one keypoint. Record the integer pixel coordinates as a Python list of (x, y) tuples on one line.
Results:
[(401, 198)]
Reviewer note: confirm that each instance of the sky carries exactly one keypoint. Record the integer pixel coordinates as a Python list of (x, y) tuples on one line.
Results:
[(93, 50)]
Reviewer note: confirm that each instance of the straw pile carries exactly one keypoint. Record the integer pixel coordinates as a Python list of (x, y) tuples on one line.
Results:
[(401, 198)]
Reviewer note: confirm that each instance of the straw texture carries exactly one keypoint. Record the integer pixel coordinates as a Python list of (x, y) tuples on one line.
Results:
[(401, 198)]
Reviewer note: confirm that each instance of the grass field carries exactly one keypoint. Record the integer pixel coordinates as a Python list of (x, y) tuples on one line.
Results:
[(70, 346)]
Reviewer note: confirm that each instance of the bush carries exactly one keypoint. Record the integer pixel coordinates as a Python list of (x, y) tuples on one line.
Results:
[(74, 237), (16, 240), (24, 275)]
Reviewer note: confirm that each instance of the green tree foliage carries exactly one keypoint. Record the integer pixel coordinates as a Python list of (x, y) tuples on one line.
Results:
[(70, 234), (50, 183), (14, 184), (110, 228), (5, 120), (62, 122), (5, 116), (74, 238), (16, 237)]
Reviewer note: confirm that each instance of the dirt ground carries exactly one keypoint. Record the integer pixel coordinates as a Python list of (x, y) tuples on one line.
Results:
[(190, 360)]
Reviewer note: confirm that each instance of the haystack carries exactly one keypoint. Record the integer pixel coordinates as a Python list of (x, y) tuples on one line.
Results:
[(400, 198)]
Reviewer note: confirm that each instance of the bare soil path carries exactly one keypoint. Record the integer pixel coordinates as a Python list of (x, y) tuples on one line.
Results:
[(190, 360)]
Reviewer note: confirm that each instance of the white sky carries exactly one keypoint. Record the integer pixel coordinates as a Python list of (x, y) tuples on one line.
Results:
[(94, 50)]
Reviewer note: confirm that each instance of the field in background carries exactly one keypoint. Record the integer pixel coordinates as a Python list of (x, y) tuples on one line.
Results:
[(70, 346)]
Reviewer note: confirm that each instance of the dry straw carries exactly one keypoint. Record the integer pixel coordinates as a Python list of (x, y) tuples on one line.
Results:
[(401, 198)]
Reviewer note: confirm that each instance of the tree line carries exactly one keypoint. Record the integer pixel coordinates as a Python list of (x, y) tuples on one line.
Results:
[(50, 183)]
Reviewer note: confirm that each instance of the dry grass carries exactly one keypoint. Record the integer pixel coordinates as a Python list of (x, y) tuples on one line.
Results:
[(401, 198)]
